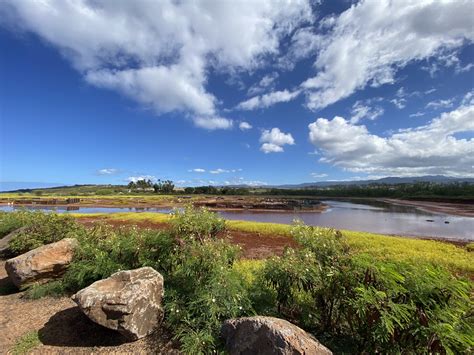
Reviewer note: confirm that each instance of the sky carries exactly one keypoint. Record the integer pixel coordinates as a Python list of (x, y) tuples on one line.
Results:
[(234, 92)]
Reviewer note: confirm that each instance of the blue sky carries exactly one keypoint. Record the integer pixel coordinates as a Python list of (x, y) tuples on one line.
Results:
[(260, 92)]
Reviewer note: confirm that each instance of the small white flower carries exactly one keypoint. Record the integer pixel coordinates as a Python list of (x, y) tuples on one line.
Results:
[(213, 300)]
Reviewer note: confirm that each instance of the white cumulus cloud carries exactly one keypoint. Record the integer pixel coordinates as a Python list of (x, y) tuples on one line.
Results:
[(273, 140), (433, 148)]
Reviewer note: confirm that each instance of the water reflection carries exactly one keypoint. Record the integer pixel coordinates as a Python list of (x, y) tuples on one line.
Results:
[(360, 215)]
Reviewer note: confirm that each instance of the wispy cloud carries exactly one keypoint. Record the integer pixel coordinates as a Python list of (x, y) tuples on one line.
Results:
[(197, 170), (440, 104), (244, 126), (363, 110), (318, 175), (107, 171)]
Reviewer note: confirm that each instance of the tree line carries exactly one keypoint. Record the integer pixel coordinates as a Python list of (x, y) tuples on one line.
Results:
[(160, 186)]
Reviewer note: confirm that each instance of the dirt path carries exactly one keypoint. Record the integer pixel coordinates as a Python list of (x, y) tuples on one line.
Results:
[(62, 328)]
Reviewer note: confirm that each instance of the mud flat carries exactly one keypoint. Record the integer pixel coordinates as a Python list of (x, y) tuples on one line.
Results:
[(455, 209), (262, 204)]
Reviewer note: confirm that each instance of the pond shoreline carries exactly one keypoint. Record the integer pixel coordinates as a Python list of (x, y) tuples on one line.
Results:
[(411, 219), (449, 208)]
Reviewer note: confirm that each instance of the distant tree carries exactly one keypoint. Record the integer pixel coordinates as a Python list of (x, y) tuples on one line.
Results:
[(165, 186)]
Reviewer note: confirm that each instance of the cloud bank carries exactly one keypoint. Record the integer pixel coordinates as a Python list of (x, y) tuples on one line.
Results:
[(160, 53), (435, 148)]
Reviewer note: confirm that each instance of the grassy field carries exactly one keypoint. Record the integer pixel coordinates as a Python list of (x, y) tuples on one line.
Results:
[(383, 247)]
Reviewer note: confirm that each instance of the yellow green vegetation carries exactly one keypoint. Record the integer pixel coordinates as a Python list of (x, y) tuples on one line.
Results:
[(26, 343), (381, 246), (112, 199)]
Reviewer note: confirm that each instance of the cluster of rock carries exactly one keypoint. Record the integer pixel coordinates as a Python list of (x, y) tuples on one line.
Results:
[(130, 302)]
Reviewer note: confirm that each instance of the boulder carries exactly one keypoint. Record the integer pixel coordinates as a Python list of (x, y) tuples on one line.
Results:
[(268, 335), (128, 301), (42, 264), (4, 248)]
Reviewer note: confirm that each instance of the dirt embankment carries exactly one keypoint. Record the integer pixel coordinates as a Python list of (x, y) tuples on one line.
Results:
[(456, 209)]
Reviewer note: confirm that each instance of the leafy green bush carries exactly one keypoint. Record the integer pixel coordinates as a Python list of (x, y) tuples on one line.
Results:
[(196, 223), (9, 221), (202, 287), (42, 228), (355, 302), (103, 251), (203, 290)]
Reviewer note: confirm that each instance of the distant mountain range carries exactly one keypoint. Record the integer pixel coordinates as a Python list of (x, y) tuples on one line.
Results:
[(440, 179), (15, 186)]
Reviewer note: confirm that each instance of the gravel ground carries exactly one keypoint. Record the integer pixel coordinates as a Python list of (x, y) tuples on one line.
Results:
[(62, 328)]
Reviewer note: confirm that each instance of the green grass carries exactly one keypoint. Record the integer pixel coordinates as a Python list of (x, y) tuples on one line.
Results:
[(381, 246), (26, 343)]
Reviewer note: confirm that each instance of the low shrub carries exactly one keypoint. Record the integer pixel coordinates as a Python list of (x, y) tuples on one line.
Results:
[(42, 228), (50, 289), (196, 223), (103, 251), (356, 302), (203, 290), (9, 221)]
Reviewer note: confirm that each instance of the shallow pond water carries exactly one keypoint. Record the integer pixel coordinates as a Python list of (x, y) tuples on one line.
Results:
[(361, 215)]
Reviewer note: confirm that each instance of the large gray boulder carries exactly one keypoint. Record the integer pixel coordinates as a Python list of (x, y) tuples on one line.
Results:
[(42, 264), (268, 336), (128, 301)]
